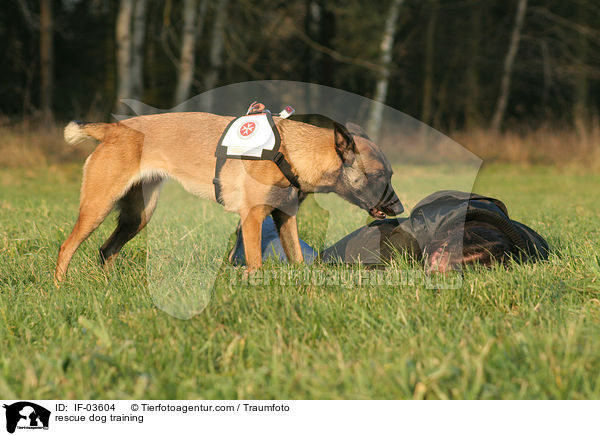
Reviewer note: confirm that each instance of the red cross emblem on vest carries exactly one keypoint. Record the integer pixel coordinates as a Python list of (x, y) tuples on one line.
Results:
[(247, 128)]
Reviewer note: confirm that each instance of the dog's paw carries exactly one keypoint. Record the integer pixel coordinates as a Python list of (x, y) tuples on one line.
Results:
[(248, 272)]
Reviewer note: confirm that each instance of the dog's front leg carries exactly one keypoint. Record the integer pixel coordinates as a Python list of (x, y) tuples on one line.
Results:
[(252, 236), (287, 227)]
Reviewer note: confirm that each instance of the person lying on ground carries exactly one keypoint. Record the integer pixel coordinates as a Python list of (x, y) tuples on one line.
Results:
[(445, 231)]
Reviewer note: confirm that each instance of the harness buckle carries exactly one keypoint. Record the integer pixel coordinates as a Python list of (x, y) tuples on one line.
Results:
[(278, 158)]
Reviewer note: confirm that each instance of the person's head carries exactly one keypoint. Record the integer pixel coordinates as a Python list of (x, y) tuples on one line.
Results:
[(477, 243)]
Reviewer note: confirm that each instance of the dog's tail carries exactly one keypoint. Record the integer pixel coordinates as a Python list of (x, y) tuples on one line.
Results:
[(77, 132)]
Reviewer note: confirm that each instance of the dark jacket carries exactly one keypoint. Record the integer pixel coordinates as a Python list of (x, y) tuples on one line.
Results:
[(430, 219)]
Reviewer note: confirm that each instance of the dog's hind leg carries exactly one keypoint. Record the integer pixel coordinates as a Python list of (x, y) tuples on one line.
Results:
[(105, 179), (137, 207)]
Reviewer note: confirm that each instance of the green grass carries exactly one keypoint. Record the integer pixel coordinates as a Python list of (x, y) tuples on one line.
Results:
[(528, 332)]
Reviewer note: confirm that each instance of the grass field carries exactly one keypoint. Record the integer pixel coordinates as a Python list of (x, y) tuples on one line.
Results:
[(529, 332)]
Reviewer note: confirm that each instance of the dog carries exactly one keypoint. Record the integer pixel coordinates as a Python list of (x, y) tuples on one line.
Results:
[(136, 155)]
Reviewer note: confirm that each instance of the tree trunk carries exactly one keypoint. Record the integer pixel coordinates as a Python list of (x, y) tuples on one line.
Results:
[(137, 54), (381, 88), (472, 111), (508, 66), (313, 30), (312, 58), (429, 56), (46, 59), (581, 80), (192, 29), (123, 37), (216, 53)]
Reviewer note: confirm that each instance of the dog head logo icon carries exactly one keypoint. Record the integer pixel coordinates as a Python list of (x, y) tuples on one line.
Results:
[(26, 415)]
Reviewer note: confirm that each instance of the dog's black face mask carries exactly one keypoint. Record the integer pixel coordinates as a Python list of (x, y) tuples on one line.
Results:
[(377, 197), (365, 179), (388, 204)]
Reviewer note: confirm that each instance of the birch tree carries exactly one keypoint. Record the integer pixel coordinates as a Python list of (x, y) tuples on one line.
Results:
[(46, 58), (508, 66), (137, 53), (381, 88), (123, 36), (312, 60), (472, 117), (429, 58), (216, 53), (582, 87), (193, 20)]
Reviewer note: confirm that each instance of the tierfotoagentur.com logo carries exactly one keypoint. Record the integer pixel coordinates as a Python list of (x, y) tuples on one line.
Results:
[(24, 415)]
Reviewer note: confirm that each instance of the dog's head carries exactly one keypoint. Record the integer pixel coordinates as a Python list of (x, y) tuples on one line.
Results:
[(364, 178)]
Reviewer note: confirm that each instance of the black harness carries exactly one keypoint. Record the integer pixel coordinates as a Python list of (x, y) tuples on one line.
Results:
[(273, 155)]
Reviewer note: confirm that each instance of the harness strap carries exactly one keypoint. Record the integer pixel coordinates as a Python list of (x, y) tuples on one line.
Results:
[(286, 169), (220, 162), (278, 158)]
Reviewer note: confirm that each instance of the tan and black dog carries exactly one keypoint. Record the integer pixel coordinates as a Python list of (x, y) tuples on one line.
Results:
[(134, 157)]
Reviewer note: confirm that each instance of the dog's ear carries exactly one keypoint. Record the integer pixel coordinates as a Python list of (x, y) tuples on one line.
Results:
[(356, 130), (344, 143)]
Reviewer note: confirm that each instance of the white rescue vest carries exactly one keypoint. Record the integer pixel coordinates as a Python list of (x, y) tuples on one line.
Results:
[(253, 137), (248, 136)]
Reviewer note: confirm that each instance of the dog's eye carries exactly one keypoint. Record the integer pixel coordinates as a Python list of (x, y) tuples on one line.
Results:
[(355, 178)]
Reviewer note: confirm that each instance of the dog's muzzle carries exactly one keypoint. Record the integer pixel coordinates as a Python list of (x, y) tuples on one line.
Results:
[(388, 205)]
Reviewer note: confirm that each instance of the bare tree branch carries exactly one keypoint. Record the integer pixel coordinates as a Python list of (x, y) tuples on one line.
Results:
[(33, 22), (381, 88), (508, 66), (335, 54), (584, 30)]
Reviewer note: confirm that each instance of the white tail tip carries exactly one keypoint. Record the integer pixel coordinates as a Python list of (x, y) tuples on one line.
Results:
[(74, 133)]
